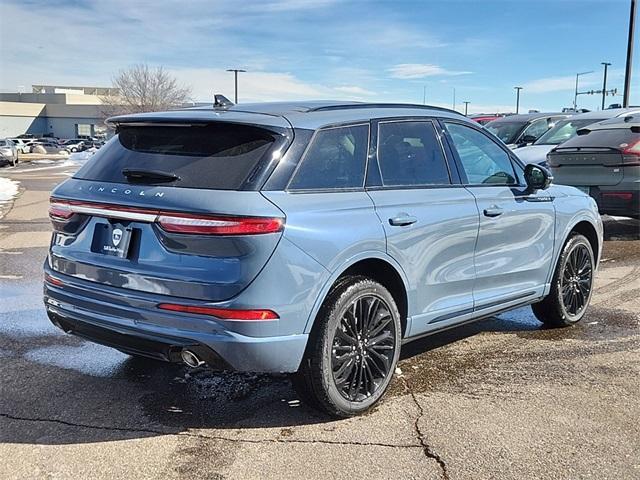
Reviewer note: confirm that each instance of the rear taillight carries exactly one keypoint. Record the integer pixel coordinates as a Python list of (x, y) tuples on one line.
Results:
[(53, 281), (177, 223), (624, 196), (631, 154), (221, 313), (59, 211), (632, 148), (173, 222)]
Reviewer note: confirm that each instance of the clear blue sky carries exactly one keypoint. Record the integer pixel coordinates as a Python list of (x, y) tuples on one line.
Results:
[(295, 49)]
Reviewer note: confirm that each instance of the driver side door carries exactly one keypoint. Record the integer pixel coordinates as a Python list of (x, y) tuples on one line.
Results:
[(514, 249)]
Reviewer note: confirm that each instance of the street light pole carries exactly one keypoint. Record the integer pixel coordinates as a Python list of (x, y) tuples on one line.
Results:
[(517, 99), (604, 83), (627, 72), (466, 106), (575, 96), (235, 74)]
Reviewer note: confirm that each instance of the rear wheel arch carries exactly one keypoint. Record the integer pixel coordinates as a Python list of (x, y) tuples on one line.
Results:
[(379, 270)]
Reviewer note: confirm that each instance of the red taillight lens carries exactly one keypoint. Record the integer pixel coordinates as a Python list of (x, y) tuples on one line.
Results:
[(53, 281), (60, 211), (206, 225), (625, 196), (222, 313), (632, 148)]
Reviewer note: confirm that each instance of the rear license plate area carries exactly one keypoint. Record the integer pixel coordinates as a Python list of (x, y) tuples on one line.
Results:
[(112, 239)]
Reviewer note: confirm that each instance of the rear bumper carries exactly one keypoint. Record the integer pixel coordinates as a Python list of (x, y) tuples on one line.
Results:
[(616, 200), (135, 326)]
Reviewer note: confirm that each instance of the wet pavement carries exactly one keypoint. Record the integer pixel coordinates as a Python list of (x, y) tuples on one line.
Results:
[(501, 398)]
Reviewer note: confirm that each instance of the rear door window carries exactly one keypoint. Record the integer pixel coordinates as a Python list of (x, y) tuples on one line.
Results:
[(410, 154), (335, 159), (214, 156)]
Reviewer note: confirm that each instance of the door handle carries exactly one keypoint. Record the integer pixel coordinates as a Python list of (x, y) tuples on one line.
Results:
[(493, 211), (402, 220)]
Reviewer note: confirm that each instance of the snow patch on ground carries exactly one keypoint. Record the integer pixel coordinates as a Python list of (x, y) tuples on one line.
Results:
[(8, 189), (80, 158)]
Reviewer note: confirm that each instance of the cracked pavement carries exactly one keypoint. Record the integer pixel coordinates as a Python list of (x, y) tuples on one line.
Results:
[(501, 398)]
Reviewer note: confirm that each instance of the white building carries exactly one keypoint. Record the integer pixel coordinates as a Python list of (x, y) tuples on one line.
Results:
[(53, 110)]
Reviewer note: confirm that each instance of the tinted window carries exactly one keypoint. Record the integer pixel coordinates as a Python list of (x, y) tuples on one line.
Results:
[(409, 153), (618, 138), (506, 131), (563, 131), (217, 156), (482, 159), (537, 128), (335, 159)]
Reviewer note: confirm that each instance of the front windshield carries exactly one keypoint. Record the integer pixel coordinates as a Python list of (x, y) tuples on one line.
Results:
[(563, 131), (506, 131)]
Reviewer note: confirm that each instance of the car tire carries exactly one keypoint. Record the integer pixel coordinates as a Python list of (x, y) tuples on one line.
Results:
[(353, 349), (571, 287)]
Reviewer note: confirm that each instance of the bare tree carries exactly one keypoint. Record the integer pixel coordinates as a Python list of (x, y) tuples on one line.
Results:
[(144, 89)]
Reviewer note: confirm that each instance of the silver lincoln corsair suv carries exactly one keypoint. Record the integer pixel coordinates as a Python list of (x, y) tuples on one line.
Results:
[(313, 238)]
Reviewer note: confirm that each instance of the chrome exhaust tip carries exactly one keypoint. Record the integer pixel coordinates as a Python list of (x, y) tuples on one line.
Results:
[(191, 359)]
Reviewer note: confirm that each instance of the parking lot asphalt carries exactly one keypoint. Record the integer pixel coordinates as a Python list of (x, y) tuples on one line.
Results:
[(501, 398)]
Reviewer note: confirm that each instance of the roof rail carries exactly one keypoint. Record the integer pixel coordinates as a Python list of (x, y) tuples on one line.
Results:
[(353, 106)]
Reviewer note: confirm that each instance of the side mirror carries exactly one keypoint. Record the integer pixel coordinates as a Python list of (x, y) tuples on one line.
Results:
[(537, 177), (528, 139)]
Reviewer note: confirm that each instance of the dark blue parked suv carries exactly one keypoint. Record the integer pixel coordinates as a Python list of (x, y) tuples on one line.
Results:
[(313, 238)]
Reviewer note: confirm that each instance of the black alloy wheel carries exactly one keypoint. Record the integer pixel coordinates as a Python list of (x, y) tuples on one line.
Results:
[(363, 348)]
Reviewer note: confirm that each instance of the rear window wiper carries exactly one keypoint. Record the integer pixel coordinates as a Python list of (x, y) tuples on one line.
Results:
[(151, 176)]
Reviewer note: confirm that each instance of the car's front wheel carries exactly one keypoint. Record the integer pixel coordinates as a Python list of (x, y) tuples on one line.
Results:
[(353, 349), (571, 287)]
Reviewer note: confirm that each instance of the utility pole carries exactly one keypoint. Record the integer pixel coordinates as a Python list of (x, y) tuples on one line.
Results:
[(466, 107), (575, 96), (604, 83), (454, 98), (517, 99), (235, 74), (424, 95), (627, 72)]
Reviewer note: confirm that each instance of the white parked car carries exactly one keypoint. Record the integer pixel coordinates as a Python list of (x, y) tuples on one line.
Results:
[(21, 144)]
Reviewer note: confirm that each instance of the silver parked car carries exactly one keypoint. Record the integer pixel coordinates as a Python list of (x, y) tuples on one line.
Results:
[(520, 130), (565, 130), (603, 160), (47, 146), (8, 152)]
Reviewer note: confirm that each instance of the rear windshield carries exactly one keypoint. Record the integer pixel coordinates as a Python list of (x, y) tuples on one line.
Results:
[(215, 156), (616, 138)]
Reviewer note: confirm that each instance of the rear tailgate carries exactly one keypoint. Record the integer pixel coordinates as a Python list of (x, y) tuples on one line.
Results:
[(170, 236), (586, 167), (596, 156)]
